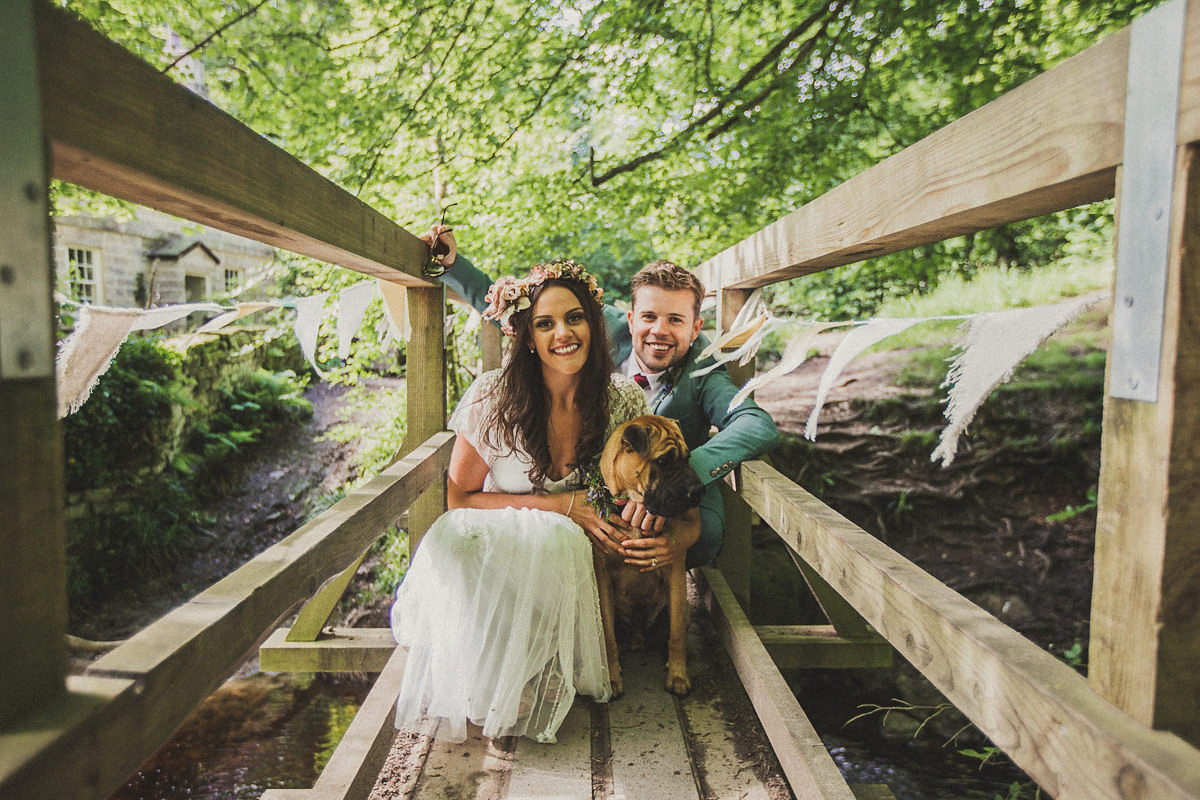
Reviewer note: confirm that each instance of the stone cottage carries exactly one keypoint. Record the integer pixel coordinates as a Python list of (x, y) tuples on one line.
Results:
[(154, 260)]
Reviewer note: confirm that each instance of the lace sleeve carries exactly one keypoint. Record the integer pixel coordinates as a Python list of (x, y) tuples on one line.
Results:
[(626, 400), (468, 417)]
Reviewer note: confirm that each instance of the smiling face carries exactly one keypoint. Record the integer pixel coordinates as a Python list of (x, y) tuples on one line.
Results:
[(559, 331), (663, 324)]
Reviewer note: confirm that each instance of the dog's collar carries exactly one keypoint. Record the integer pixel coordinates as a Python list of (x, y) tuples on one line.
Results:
[(598, 495)]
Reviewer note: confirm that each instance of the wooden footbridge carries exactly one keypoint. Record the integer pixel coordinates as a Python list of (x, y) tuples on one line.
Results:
[(1120, 119)]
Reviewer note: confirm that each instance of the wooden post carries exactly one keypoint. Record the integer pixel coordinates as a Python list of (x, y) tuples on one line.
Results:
[(33, 585), (1145, 627), (426, 379), (735, 557), (491, 348)]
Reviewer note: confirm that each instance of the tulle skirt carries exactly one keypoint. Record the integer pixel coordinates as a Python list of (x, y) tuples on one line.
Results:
[(500, 616)]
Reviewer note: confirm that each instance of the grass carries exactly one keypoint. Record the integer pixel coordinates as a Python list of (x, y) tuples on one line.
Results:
[(930, 345), (998, 289)]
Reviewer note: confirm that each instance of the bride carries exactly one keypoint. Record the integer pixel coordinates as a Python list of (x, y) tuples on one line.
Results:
[(499, 609)]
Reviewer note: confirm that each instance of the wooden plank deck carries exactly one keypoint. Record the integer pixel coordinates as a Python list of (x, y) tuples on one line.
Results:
[(647, 744)]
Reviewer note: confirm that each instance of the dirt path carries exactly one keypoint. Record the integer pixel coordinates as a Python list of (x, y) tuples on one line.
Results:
[(986, 525)]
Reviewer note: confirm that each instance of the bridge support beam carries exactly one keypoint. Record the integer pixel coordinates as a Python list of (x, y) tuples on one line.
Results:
[(425, 374), (33, 585), (1145, 626)]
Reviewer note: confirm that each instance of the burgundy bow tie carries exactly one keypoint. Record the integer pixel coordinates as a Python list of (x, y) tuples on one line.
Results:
[(641, 380)]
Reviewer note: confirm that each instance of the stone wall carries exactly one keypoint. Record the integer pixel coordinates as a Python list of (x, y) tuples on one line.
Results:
[(159, 248)]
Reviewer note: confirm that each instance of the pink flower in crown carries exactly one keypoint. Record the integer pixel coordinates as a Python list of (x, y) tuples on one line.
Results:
[(503, 300), (507, 295)]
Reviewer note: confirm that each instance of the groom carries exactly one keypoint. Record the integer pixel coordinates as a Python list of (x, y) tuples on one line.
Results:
[(657, 344)]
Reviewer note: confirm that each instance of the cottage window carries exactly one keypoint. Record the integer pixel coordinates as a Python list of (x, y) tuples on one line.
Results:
[(233, 280), (83, 270)]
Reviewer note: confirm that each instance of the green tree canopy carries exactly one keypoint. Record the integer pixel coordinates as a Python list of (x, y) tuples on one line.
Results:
[(608, 130)]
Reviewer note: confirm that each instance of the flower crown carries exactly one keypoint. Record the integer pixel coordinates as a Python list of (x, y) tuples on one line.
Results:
[(510, 295)]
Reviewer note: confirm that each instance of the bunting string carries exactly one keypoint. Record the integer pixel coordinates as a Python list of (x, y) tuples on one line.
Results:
[(994, 344)]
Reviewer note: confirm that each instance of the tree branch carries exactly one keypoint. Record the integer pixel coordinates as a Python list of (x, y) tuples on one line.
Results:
[(524, 120), (207, 39), (824, 16), (433, 78)]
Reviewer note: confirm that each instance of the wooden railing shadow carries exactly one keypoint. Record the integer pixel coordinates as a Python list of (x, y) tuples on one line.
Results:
[(115, 125)]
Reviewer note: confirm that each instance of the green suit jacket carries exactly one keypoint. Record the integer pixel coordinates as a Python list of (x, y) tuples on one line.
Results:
[(697, 403)]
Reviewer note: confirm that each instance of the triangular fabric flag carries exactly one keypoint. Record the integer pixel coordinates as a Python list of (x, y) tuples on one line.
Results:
[(229, 317), (352, 307), (395, 303), (85, 355), (745, 351), (309, 313), (749, 319), (795, 354), (856, 341), (996, 342), (474, 321), (153, 318), (88, 352)]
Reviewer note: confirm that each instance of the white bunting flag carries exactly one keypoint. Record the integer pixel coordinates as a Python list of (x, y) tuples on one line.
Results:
[(856, 341), (309, 313), (352, 307), (996, 342)]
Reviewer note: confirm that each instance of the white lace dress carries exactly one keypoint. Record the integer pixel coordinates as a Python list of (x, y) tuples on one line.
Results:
[(499, 610)]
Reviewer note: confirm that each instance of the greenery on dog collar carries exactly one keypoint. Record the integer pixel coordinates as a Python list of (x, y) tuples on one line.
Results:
[(598, 495)]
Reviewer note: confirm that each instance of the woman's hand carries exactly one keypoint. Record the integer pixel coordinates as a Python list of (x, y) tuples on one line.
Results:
[(607, 534)]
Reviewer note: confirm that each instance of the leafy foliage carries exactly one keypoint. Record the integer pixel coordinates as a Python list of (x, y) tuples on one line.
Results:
[(134, 487), (617, 132), (254, 406), (125, 425)]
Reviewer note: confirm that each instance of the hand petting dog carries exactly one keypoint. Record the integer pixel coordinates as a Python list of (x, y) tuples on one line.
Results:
[(656, 552)]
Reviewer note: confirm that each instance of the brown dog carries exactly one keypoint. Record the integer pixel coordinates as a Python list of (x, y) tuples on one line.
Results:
[(646, 459)]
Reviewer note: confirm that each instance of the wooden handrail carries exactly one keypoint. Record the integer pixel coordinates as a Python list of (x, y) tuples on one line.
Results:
[(118, 126), (1051, 144), (131, 700), (1043, 714)]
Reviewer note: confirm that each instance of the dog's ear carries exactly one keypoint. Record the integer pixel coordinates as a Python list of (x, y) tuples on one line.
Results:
[(637, 439)]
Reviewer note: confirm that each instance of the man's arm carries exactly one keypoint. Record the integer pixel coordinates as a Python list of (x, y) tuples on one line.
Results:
[(468, 281), (742, 434)]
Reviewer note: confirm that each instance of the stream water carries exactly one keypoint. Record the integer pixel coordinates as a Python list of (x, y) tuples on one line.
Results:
[(255, 733)]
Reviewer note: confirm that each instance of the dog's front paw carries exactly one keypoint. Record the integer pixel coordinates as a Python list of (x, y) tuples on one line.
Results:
[(678, 682)]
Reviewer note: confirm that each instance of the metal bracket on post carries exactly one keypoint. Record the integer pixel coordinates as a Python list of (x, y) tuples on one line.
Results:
[(1147, 184), (26, 336)]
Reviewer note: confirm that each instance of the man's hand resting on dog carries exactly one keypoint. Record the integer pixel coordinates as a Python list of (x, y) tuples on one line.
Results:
[(638, 518), (607, 534), (660, 551)]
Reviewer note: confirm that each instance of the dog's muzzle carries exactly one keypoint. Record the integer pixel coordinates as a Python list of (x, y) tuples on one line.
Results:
[(674, 490)]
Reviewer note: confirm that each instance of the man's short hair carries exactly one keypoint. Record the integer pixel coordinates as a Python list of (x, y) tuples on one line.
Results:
[(665, 275)]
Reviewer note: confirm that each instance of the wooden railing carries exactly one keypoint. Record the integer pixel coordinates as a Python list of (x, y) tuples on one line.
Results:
[(82, 109), (1062, 139), (113, 124)]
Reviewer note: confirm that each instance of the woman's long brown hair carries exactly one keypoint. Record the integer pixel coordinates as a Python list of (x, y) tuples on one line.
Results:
[(519, 416)]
